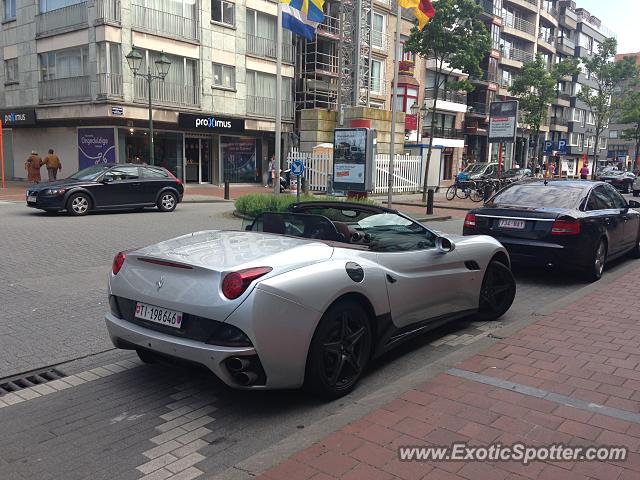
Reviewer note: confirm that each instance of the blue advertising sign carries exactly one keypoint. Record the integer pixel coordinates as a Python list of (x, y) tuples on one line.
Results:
[(562, 146), (96, 146), (548, 147)]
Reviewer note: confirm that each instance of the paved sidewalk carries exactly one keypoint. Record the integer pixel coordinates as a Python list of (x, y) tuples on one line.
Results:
[(573, 377)]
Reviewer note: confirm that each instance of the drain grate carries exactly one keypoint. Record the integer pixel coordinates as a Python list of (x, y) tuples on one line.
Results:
[(31, 379)]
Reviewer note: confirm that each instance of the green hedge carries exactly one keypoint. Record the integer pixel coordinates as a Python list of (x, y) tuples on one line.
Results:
[(256, 203)]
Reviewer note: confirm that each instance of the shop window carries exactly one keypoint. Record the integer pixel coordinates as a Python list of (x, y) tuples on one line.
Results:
[(167, 153), (239, 154), (223, 12)]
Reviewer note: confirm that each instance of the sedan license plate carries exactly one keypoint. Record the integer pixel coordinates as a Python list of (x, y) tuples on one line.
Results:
[(515, 224), (31, 198), (163, 316)]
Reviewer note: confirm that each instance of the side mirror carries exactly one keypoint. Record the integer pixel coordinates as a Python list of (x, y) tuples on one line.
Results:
[(633, 204), (445, 245), (107, 179)]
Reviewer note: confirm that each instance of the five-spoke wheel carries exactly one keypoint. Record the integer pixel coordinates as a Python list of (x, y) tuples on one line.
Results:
[(497, 292)]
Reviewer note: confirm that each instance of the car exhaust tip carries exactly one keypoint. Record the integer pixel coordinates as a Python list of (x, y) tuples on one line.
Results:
[(237, 364), (245, 378)]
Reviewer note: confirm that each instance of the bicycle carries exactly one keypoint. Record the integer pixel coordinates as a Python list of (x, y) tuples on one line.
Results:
[(461, 189)]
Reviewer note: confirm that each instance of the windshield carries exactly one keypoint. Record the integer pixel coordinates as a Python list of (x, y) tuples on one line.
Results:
[(90, 173), (476, 167), (539, 196)]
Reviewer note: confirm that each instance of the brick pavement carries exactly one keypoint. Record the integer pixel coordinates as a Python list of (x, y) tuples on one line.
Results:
[(572, 377)]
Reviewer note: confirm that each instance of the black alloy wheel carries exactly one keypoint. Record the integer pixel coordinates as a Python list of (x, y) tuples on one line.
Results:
[(594, 271), (497, 292), (339, 351)]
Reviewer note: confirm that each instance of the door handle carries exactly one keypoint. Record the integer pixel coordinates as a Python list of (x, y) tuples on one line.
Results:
[(391, 279)]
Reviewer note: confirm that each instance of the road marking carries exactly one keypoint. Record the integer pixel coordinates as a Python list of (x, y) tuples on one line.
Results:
[(54, 386)]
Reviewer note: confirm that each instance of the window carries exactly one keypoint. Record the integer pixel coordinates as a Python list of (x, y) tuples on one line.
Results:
[(615, 198), (223, 12), (591, 118), (109, 58), (50, 5), (224, 76), (376, 83), (599, 200), (9, 9), (122, 173), (603, 143), (64, 63), (150, 172), (261, 36), (11, 71), (378, 30)]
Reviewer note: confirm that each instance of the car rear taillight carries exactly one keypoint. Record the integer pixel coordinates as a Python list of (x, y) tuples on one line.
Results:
[(470, 220), (118, 261), (174, 177), (235, 283), (565, 227)]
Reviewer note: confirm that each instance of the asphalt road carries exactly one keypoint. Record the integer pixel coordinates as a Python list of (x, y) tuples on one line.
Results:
[(122, 425)]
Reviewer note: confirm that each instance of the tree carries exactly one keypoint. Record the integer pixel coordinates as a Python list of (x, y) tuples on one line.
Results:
[(630, 114), (535, 87), (607, 78), (455, 39)]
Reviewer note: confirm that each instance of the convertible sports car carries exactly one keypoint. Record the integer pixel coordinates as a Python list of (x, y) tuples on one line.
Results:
[(305, 297)]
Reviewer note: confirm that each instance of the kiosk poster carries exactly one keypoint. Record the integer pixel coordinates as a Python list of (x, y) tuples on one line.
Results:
[(350, 159)]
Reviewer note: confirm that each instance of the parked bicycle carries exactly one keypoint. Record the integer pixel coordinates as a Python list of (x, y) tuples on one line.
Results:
[(464, 189)]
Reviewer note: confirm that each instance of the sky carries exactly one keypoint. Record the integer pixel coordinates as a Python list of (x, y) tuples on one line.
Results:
[(621, 16)]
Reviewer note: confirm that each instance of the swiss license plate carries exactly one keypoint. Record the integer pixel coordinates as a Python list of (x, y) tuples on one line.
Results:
[(163, 316), (31, 198), (515, 224)]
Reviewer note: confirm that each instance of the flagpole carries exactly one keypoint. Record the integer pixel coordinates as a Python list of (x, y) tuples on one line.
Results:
[(278, 161), (394, 109)]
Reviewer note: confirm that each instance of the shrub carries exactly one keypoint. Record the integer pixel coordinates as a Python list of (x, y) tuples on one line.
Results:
[(256, 203)]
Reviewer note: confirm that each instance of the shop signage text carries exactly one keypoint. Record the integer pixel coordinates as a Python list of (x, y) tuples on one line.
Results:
[(117, 110), (211, 123), (16, 118)]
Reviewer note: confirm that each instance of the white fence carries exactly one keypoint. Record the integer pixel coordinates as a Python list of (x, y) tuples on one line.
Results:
[(407, 176)]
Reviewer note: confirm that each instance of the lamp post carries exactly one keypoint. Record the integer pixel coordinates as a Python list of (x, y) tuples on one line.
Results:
[(134, 59), (418, 112)]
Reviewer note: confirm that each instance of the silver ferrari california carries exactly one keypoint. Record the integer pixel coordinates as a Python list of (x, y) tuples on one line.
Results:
[(302, 298)]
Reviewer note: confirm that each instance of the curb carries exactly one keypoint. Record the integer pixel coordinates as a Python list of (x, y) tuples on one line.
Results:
[(435, 205), (212, 200), (261, 461)]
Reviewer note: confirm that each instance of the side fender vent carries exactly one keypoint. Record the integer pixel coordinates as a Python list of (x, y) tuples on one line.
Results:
[(472, 265)]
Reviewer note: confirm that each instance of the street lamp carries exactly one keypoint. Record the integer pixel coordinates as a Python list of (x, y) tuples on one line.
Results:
[(134, 59), (418, 112)]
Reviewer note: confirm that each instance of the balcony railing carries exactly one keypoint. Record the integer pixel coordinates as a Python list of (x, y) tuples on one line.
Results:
[(266, 107), (265, 47), (545, 38), (564, 41), (560, 121), (379, 40), (489, 7), (109, 85), (64, 89), (442, 132), (520, 24), (517, 54), (447, 96), (165, 23), (167, 93), (485, 77), (378, 87), (550, 9), (476, 108), (73, 16), (107, 11), (566, 96)]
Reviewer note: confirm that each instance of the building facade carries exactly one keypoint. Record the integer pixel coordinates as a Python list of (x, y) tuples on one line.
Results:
[(65, 73)]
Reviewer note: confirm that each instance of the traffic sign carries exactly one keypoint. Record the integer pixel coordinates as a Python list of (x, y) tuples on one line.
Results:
[(548, 147), (562, 146), (297, 167)]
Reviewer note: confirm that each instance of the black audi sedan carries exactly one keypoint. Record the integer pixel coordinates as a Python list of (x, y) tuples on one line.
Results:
[(109, 187), (567, 223)]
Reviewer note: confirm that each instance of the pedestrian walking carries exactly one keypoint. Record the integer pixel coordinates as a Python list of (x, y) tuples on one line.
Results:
[(552, 169), (270, 169), (33, 165), (53, 164), (584, 172)]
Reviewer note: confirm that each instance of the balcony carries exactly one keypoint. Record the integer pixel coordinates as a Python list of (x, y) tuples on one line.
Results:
[(568, 19), (478, 109), (566, 46), (167, 93), (546, 42), (517, 55), (108, 11), (379, 40), (560, 121), (163, 23), (64, 19), (109, 85), (64, 89), (485, 77), (266, 48), (266, 107), (447, 96), (520, 24), (531, 5), (550, 13), (442, 132)]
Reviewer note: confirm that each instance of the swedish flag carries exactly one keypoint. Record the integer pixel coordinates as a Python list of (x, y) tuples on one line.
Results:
[(302, 17)]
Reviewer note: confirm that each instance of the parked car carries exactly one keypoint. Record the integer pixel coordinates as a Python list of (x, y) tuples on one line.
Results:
[(307, 297), (568, 223), (620, 179), (516, 174), (636, 186), (109, 186), (477, 170)]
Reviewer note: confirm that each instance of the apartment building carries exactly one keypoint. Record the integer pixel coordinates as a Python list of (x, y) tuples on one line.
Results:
[(520, 30), (68, 86)]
